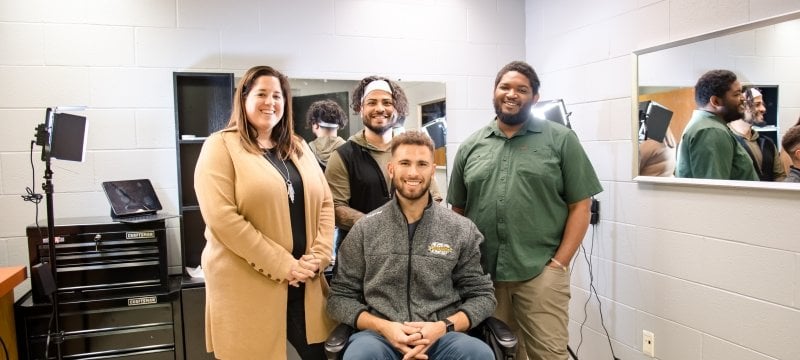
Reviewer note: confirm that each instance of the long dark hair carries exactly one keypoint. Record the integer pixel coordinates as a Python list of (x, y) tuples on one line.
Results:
[(286, 142)]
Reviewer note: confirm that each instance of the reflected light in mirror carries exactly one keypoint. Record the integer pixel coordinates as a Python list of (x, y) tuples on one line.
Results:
[(761, 53)]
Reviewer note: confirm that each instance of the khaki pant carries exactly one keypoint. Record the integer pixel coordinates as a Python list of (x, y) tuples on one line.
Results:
[(537, 312)]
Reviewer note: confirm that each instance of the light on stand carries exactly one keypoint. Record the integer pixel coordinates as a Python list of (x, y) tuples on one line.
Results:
[(654, 120), (437, 131), (553, 110), (62, 136)]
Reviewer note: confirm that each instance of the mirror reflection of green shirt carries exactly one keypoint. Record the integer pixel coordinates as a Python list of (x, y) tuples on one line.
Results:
[(517, 191), (708, 150)]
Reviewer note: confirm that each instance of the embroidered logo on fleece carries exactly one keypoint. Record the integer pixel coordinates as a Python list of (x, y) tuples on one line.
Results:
[(439, 248)]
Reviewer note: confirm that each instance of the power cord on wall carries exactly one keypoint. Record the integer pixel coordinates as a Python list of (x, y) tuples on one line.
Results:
[(592, 289), (32, 195)]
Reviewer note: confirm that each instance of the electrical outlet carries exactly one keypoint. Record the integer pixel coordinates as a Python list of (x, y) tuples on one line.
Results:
[(648, 343)]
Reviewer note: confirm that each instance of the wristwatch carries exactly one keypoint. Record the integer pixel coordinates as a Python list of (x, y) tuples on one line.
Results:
[(449, 325)]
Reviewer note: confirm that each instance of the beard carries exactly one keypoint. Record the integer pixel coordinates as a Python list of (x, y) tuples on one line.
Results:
[(731, 112), (752, 119), (411, 195), (513, 119), (380, 130)]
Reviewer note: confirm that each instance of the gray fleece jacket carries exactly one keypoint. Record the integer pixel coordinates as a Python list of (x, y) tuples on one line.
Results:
[(428, 278)]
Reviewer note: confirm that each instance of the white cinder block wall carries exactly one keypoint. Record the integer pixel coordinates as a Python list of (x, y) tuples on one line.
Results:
[(713, 272)]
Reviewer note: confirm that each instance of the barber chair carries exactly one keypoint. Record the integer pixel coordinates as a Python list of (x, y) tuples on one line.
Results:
[(493, 331)]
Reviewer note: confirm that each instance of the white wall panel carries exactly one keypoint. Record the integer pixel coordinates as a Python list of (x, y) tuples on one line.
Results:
[(715, 348), (67, 11), (111, 129), (688, 17), (13, 223), (21, 11), (41, 87), (241, 16), (155, 128), (766, 8), (130, 88), (639, 28), (22, 44), (84, 45), (315, 16), (155, 13), (179, 48), (480, 93), (19, 129), (157, 165)]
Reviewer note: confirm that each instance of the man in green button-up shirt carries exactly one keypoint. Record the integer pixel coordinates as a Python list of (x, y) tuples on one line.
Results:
[(526, 183), (708, 148)]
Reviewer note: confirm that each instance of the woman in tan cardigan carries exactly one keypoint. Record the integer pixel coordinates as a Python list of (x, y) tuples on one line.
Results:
[(269, 227)]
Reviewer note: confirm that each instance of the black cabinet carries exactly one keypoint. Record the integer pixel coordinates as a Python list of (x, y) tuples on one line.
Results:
[(203, 103), (98, 257), (115, 297), (193, 302), (144, 326)]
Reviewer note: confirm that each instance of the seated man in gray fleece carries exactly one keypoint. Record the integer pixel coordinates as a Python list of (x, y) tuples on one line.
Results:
[(409, 272)]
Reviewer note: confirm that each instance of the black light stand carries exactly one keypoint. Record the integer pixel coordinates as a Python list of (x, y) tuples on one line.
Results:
[(43, 139)]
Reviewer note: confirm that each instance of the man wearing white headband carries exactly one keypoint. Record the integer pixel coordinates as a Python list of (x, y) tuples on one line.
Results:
[(357, 171), (325, 118), (762, 150)]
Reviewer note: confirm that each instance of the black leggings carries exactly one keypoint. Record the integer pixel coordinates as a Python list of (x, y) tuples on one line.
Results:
[(296, 326)]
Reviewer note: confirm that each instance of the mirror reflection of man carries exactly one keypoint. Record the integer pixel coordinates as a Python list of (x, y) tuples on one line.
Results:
[(791, 145), (762, 151), (708, 148), (357, 170)]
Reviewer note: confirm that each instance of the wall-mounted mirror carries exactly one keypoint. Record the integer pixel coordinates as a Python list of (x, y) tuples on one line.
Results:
[(426, 110), (763, 54)]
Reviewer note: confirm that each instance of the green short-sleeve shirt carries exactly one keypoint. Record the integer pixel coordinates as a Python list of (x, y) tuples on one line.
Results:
[(708, 150), (517, 191)]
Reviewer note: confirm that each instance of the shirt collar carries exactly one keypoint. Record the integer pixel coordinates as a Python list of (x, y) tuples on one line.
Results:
[(532, 125)]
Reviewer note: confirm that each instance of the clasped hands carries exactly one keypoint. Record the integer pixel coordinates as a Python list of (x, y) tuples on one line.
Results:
[(303, 269), (413, 339)]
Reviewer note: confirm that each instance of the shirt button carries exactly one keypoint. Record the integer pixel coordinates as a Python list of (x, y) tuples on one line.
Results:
[(261, 270), (253, 264)]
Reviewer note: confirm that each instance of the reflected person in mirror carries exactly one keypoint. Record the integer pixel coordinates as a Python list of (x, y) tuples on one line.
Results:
[(325, 118), (791, 145), (762, 151), (527, 184), (357, 171), (410, 275), (269, 229), (708, 148)]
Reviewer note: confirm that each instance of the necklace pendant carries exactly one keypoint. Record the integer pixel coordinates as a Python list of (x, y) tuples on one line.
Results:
[(290, 190)]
